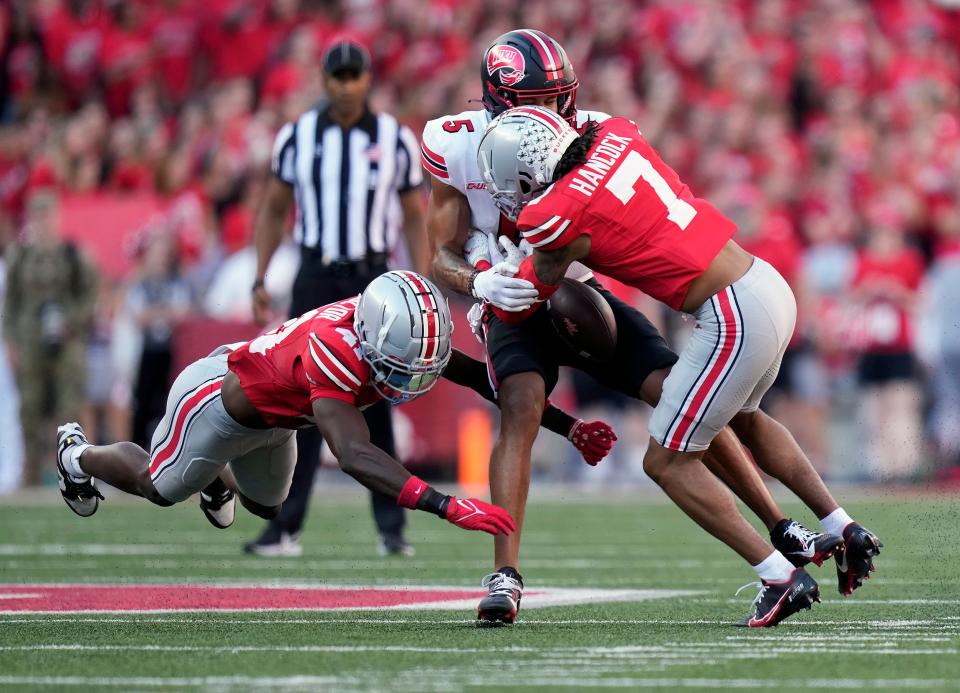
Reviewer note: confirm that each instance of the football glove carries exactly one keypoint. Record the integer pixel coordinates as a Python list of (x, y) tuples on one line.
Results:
[(498, 286), (471, 513), (475, 319), (515, 254), (476, 250), (594, 440)]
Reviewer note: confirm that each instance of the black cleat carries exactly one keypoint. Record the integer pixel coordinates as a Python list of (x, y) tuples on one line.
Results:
[(778, 600), (81, 496), (801, 546), (218, 504), (855, 557), (501, 605)]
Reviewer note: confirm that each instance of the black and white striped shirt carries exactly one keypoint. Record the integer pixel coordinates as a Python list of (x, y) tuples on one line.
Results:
[(347, 182)]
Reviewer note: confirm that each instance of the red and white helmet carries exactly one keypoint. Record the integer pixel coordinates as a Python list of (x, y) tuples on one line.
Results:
[(527, 63), (405, 330)]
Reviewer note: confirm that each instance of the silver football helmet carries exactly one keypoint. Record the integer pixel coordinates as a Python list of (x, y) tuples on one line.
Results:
[(518, 154), (405, 330)]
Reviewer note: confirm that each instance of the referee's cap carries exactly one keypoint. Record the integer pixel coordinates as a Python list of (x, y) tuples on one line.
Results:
[(346, 54)]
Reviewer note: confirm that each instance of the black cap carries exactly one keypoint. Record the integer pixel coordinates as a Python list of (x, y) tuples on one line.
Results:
[(346, 55)]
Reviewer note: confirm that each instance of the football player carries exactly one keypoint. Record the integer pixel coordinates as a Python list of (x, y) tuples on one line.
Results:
[(241, 405), (520, 67), (605, 198)]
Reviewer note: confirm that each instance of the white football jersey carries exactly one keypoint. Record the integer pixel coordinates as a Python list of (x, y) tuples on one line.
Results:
[(449, 152)]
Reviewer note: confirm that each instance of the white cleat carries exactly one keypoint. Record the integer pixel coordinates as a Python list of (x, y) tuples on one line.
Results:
[(79, 493)]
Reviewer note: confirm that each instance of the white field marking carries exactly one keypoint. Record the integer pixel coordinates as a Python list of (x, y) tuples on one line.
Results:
[(538, 598), (845, 602), (132, 617), (312, 682), (23, 595), (665, 651)]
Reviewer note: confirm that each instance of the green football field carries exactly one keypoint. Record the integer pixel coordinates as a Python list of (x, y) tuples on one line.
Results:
[(673, 628)]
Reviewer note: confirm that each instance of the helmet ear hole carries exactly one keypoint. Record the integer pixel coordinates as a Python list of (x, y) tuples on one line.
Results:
[(524, 187)]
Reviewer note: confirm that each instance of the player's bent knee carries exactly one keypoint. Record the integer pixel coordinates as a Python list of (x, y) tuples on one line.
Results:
[(149, 491)]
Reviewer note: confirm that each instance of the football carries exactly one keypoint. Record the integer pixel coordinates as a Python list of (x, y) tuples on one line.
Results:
[(584, 320)]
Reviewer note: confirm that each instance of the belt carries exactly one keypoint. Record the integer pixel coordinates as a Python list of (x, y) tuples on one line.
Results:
[(372, 263)]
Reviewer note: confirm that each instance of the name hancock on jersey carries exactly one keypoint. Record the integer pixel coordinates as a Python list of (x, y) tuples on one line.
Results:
[(606, 154)]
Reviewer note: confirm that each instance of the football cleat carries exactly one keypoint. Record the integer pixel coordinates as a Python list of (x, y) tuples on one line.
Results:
[(218, 504), (855, 557), (80, 495), (394, 545), (282, 546), (801, 546), (501, 605), (778, 600)]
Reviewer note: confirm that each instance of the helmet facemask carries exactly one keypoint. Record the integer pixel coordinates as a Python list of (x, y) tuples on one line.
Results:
[(518, 154)]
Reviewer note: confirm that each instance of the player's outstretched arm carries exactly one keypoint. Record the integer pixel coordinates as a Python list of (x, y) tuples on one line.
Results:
[(594, 439), (346, 432)]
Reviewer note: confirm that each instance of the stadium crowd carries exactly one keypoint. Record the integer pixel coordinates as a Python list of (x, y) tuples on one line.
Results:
[(829, 130)]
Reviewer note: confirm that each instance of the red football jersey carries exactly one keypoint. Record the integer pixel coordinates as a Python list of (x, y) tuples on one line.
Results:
[(313, 356), (647, 229)]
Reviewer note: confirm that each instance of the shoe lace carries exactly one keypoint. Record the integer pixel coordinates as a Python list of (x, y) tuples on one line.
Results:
[(755, 583), (800, 533), (498, 583)]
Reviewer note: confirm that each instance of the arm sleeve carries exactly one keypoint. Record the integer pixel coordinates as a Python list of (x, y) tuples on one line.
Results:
[(544, 291), (409, 172), (329, 374), (431, 152), (284, 154)]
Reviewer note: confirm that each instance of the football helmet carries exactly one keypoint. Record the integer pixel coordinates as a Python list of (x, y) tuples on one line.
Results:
[(526, 62), (518, 154), (404, 326)]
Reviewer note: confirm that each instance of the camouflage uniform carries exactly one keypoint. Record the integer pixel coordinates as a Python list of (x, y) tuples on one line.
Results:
[(48, 315)]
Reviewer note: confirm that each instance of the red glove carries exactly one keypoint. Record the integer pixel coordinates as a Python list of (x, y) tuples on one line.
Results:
[(474, 514), (593, 439)]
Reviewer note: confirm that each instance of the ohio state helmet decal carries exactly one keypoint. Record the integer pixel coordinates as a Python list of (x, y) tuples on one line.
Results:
[(510, 61)]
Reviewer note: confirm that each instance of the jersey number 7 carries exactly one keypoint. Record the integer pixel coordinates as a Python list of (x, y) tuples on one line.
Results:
[(623, 183)]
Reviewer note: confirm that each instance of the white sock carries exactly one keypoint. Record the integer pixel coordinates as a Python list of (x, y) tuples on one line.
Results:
[(774, 568), (72, 463), (835, 522)]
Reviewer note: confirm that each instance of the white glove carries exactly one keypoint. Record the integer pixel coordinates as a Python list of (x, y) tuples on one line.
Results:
[(475, 318), (498, 286), (477, 248), (493, 248), (515, 254)]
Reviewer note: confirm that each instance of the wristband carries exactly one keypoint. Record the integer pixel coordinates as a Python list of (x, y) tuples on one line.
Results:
[(573, 429), (411, 492), (470, 288), (434, 502)]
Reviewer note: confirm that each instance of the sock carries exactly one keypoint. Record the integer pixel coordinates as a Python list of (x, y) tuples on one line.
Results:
[(72, 463), (836, 521), (774, 568)]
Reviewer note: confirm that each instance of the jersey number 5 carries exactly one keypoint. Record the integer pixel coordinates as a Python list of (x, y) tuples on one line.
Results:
[(623, 183), (458, 125)]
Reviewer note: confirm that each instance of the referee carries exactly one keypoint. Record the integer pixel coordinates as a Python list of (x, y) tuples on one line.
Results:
[(353, 176)]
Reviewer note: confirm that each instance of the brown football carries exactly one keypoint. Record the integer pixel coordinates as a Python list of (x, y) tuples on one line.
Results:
[(584, 320)]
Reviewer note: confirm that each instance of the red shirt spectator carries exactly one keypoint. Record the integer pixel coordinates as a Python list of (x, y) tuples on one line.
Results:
[(73, 38), (174, 31)]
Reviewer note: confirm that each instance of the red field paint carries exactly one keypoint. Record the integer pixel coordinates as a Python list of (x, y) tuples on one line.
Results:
[(94, 598)]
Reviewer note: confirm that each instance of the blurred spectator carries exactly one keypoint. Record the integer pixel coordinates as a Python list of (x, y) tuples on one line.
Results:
[(11, 437), (48, 311), (158, 301), (885, 289)]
